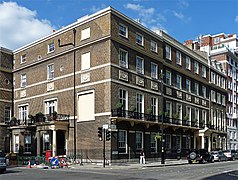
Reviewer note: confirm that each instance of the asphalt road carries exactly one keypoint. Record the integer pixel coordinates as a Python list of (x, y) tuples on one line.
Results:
[(215, 171)]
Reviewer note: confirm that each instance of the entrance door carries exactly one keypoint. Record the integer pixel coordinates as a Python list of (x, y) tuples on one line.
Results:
[(60, 142)]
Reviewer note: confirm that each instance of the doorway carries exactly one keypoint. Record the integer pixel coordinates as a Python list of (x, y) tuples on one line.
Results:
[(60, 142)]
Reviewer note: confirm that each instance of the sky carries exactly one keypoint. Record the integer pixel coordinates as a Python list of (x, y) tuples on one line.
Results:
[(24, 21)]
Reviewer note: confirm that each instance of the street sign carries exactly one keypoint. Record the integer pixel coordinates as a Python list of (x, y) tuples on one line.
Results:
[(54, 161), (105, 126)]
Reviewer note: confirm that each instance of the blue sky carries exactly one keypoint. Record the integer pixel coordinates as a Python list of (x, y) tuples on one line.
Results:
[(23, 21)]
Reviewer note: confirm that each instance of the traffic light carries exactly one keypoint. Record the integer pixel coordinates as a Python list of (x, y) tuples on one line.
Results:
[(108, 135), (100, 133)]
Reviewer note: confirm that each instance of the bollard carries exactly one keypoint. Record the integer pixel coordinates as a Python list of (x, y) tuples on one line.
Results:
[(29, 164)]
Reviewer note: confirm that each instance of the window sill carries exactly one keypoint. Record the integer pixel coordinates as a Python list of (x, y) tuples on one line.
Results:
[(123, 36), (49, 52)]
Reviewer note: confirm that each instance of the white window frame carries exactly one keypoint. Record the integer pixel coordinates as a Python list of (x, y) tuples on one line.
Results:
[(23, 58), (85, 61), (213, 96), (179, 81), (223, 100), (139, 65), (204, 71), (123, 58), (179, 110), (139, 39), (85, 93), (188, 112), (139, 103), (197, 114), (204, 116), (204, 91), (7, 114), (16, 143), (139, 140), (219, 98), (123, 98), (51, 47), (23, 80), (122, 142), (178, 58), (27, 143), (196, 88), (188, 85), (23, 112), (122, 32), (85, 33), (196, 67), (153, 142), (154, 70), (50, 106), (46, 136), (153, 46), (167, 52), (154, 105), (168, 75), (188, 63), (50, 71), (169, 108)]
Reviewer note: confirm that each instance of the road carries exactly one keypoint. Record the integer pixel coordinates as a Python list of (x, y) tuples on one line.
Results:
[(215, 171)]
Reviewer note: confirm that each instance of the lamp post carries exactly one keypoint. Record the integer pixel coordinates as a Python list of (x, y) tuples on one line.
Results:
[(162, 117), (74, 45)]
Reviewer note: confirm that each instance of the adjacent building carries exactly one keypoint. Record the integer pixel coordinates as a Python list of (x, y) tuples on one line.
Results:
[(222, 49), (6, 98), (145, 86)]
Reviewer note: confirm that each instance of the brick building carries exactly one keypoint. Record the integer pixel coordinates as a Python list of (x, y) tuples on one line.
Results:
[(222, 49), (5, 96), (136, 81)]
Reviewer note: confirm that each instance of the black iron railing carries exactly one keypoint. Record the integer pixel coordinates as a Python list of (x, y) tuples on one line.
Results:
[(38, 119), (167, 120)]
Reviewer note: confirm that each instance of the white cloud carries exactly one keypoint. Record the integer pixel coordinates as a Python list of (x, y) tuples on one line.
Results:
[(159, 28), (20, 25), (181, 16), (236, 19), (178, 15), (146, 15), (94, 9), (161, 18), (182, 4)]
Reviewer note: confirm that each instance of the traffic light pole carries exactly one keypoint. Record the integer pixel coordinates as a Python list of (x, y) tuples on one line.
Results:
[(104, 140)]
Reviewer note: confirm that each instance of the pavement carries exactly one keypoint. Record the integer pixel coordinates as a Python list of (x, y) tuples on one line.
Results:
[(132, 165), (126, 165)]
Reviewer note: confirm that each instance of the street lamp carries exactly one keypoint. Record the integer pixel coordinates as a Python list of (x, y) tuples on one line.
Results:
[(162, 117), (74, 45)]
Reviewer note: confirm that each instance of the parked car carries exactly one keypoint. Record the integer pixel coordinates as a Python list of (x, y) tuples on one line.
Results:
[(3, 165), (199, 155), (230, 154), (235, 152), (219, 156)]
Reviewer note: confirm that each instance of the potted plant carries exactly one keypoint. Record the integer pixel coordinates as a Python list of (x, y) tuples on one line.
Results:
[(195, 121), (132, 111), (55, 115), (149, 111), (30, 116), (202, 123), (39, 116), (185, 119), (13, 118), (119, 105), (166, 114), (176, 117)]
